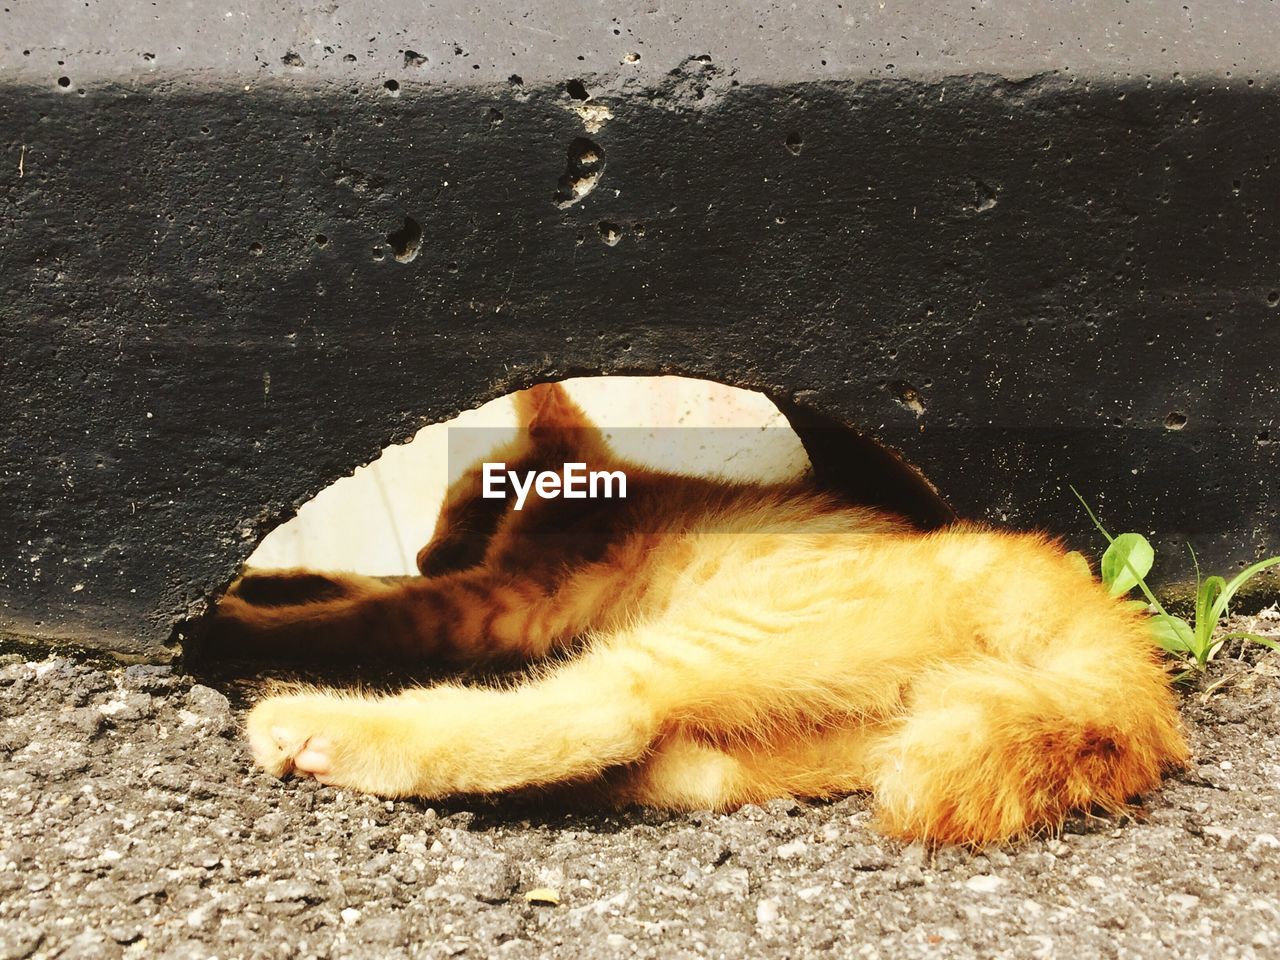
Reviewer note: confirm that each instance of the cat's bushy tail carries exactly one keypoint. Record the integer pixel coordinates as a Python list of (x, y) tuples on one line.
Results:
[(991, 749)]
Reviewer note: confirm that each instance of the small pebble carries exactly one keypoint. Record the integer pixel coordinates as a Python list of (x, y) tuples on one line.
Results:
[(767, 911)]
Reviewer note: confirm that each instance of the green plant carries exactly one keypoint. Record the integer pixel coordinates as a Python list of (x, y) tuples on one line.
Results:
[(1128, 559)]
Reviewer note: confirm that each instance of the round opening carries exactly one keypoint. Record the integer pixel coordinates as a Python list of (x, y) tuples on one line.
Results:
[(376, 520)]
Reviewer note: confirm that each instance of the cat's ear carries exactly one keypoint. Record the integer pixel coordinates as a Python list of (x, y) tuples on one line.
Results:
[(549, 413)]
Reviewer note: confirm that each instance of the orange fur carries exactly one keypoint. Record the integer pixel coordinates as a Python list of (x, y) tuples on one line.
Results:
[(705, 644)]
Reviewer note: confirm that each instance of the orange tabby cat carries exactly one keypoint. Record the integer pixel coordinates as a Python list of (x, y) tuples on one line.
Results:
[(704, 644)]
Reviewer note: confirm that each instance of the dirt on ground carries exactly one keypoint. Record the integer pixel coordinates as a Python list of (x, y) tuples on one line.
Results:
[(133, 825)]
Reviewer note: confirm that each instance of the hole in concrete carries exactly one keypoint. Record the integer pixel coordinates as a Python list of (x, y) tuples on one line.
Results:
[(348, 58), (64, 82), (255, 248), (495, 116), (406, 242), (376, 520), (795, 143), (984, 196), (413, 59), (515, 80), (610, 233), (1273, 298), (1263, 439), (1176, 420), (582, 173), (631, 58), (577, 89), (908, 396), (392, 87), (292, 59), (320, 240), (379, 253)]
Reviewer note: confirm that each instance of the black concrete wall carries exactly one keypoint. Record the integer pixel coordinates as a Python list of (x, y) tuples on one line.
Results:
[(216, 300)]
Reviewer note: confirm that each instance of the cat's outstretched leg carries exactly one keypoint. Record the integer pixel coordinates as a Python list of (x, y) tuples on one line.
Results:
[(279, 588), (575, 722), (466, 617)]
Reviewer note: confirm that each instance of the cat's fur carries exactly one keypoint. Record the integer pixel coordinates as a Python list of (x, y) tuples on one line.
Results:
[(705, 644)]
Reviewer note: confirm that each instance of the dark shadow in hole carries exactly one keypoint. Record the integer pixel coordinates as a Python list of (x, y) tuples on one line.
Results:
[(407, 241), (862, 471)]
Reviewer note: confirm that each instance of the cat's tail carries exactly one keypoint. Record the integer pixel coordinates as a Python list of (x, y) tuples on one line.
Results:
[(992, 749)]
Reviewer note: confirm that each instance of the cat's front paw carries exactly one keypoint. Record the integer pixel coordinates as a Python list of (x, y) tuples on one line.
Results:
[(339, 741), (281, 748)]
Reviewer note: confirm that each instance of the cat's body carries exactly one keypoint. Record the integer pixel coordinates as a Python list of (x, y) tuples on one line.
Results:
[(704, 644)]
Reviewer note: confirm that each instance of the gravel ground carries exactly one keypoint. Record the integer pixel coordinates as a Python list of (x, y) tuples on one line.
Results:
[(131, 824)]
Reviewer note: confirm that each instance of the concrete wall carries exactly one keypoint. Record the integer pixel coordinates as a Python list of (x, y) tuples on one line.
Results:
[(245, 248)]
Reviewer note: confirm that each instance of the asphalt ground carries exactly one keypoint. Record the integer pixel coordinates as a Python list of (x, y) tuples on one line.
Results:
[(132, 824)]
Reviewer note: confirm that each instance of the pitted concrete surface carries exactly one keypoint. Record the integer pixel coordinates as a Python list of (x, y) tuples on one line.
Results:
[(246, 247), (459, 43), (132, 825)]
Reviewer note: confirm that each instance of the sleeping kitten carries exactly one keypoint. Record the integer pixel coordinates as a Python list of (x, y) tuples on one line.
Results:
[(704, 644)]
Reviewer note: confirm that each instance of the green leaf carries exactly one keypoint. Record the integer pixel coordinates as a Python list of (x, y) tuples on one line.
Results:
[(1265, 641), (1146, 591), (1238, 581), (1126, 562), (1173, 633), (1206, 597)]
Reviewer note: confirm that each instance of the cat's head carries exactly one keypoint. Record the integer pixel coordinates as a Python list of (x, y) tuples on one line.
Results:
[(553, 430)]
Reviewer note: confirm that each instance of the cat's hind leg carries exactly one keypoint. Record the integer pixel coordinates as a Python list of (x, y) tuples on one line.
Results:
[(686, 771), (990, 750)]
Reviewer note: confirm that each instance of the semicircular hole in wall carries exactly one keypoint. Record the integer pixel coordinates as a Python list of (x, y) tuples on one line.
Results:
[(375, 520)]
